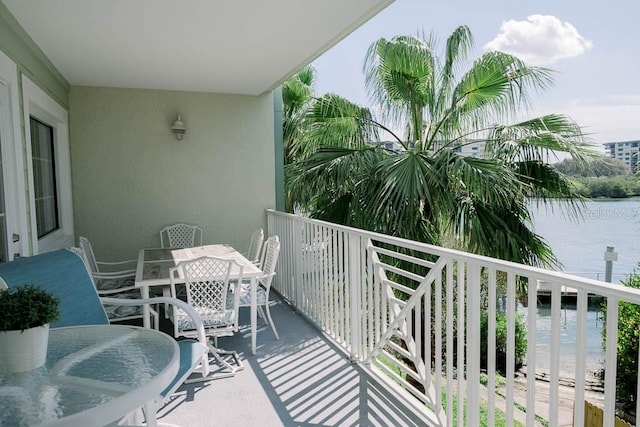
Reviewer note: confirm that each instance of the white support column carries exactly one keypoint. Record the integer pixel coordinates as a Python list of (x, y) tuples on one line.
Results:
[(609, 257)]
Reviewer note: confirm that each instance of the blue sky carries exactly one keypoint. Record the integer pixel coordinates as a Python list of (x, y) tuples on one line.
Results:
[(593, 46)]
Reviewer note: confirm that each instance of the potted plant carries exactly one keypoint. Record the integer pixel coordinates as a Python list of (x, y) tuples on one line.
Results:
[(25, 314)]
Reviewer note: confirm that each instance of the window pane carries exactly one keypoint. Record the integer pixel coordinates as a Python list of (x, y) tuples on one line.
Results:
[(44, 177)]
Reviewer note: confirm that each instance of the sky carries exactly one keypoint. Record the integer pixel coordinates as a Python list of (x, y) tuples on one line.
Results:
[(593, 46)]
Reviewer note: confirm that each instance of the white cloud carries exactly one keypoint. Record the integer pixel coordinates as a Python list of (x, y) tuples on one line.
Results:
[(540, 40)]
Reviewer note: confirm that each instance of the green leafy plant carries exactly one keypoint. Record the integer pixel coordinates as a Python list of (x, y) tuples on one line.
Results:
[(27, 306), (501, 341), (628, 344)]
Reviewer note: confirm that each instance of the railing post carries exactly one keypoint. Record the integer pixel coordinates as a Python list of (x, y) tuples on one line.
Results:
[(609, 257), (610, 365), (473, 344), (297, 253), (355, 285)]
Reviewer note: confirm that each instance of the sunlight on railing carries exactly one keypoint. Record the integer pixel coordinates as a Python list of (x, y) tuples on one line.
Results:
[(412, 314)]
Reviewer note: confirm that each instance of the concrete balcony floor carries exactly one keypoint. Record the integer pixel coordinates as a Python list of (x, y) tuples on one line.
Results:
[(299, 380)]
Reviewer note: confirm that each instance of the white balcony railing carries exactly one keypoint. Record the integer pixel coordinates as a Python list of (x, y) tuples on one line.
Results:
[(397, 307)]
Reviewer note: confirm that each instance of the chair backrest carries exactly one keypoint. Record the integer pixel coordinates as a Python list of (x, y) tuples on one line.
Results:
[(65, 275), (270, 259), (80, 253), (207, 284), (89, 256), (255, 245), (181, 236)]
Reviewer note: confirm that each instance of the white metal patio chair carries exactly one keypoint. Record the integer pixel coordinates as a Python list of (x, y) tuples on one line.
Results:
[(255, 246), (114, 283), (269, 259), (181, 236), (206, 280)]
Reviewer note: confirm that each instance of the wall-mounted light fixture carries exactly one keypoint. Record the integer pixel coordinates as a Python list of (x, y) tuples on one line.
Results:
[(178, 129)]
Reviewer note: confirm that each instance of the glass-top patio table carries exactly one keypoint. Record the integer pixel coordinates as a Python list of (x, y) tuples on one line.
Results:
[(94, 375), (154, 264)]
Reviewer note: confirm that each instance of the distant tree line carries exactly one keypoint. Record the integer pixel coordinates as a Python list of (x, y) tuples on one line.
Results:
[(600, 176)]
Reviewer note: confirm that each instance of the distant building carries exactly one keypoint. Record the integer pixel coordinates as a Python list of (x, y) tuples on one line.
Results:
[(473, 148), (627, 151), (467, 149), (391, 145)]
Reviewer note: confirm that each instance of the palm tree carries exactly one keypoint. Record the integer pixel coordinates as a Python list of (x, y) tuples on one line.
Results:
[(426, 190), (297, 95)]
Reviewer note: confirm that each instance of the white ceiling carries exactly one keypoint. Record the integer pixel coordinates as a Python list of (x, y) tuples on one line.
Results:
[(227, 46)]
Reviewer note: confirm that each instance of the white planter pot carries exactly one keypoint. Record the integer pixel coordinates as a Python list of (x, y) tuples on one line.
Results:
[(22, 351)]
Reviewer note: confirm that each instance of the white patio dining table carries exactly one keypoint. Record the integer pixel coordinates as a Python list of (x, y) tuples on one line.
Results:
[(154, 264), (94, 375)]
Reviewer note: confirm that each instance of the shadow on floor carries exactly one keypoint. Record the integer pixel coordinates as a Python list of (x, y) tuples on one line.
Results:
[(299, 380)]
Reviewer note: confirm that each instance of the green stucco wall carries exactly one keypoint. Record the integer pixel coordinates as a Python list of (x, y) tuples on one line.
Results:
[(131, 177)]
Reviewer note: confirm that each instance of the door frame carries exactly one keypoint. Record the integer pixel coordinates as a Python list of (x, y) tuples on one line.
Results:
[(37, 103), (13, 160)]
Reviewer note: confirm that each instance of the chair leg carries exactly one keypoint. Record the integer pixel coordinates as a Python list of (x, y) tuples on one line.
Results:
[(166, 292), (150, 409), (216, 353), (270, 321)]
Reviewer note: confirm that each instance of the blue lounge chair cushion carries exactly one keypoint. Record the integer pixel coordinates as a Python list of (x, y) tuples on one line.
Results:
[(191, 352), (63, 274)]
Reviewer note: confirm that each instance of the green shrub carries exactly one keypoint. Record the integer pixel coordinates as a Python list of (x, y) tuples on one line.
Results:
[(501, 341), (609, 187), (628, 342), (27, 306)]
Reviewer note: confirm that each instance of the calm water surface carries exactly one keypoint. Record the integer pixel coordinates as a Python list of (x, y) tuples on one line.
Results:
[(580, 246)]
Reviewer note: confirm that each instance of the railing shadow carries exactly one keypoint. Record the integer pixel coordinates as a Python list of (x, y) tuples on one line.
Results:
[(310, 382), (303, 380)]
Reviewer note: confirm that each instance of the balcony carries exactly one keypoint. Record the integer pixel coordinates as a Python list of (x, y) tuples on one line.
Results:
[(354, 312), (301, 379)]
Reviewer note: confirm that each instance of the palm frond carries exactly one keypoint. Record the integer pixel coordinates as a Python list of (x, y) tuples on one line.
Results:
[(495, 89), (331, 170), (307, 75), (398, 77), (540, 138), (334, 121), (459, 44), (505, 234)]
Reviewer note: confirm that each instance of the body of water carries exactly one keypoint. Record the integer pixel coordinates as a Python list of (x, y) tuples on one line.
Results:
[(580, 245)]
